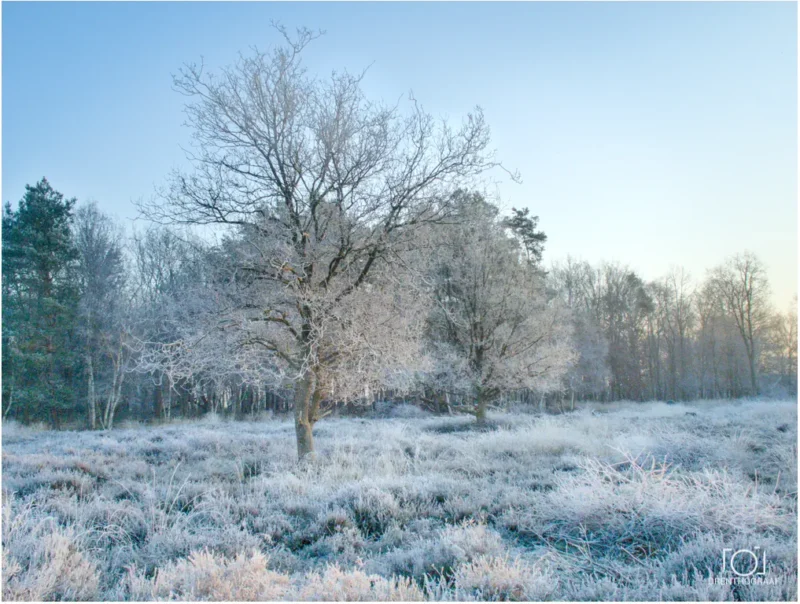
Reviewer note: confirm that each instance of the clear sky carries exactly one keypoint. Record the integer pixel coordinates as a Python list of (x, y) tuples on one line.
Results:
[(655, 134)]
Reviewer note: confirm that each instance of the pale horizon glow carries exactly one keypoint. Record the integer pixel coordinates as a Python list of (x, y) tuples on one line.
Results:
[(652, 134)]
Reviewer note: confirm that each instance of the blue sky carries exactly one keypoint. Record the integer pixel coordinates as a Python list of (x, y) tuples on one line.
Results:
[(655, 134)]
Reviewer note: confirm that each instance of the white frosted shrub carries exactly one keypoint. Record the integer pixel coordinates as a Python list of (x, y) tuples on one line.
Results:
[(205, 576), (42, 561), (439, 555), (336, 585), (500, 579)]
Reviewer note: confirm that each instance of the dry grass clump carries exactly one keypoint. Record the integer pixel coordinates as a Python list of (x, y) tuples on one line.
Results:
[(206, 576), (42, 561), (441, 553), (635, 502), (502, 580), (334, 584)]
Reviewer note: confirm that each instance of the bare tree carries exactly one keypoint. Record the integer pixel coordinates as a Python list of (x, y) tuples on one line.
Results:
[(742, 287), (780, 354), (324, 183), (788, 335), (102, 309), (166, 268), (575, 283), (589, 374), (672, 321), (618, 301)]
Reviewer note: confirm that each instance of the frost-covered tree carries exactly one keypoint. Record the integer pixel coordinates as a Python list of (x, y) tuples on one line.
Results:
[(103, 311), (493, 321), (614, 299), (326, 186), (574, 282), (224, 332), (671, 326), (625, 305), (170, 269), (589, 374)]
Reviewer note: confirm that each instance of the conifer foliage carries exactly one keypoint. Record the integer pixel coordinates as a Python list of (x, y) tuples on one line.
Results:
[(39, 303)]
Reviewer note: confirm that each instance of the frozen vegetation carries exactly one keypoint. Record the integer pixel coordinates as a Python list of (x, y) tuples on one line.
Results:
[(623, 502)]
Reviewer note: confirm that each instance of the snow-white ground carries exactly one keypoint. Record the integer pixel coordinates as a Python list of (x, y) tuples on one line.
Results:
[(630, 502)]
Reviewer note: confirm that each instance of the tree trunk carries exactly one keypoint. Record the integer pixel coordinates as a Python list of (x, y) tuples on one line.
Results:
[(753, 374), (480, 408), (10, 396), (303, 421), (114, 397), (92, 400), (113, 401), (158, 403), (305, 440)]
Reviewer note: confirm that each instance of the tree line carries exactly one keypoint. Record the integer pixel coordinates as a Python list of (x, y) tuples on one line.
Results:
[(324, 250), (162, 324), (674, 338)]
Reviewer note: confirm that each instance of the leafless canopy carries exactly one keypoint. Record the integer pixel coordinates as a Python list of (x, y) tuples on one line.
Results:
[(322, 186)]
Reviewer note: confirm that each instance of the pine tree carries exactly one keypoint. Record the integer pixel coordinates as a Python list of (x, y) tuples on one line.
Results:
[(523, 226), (39, 304)]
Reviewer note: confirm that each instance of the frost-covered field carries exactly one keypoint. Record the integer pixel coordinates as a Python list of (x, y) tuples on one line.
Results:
[(637, 502)]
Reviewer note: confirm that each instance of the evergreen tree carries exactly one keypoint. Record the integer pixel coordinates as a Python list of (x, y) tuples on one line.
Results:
[(523, 226), (39, 303)]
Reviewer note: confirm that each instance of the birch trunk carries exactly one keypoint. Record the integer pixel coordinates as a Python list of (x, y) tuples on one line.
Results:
[(92, 400)]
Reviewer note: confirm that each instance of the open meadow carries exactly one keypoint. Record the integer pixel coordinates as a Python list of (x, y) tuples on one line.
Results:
[(624, 502), (360, 301)]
